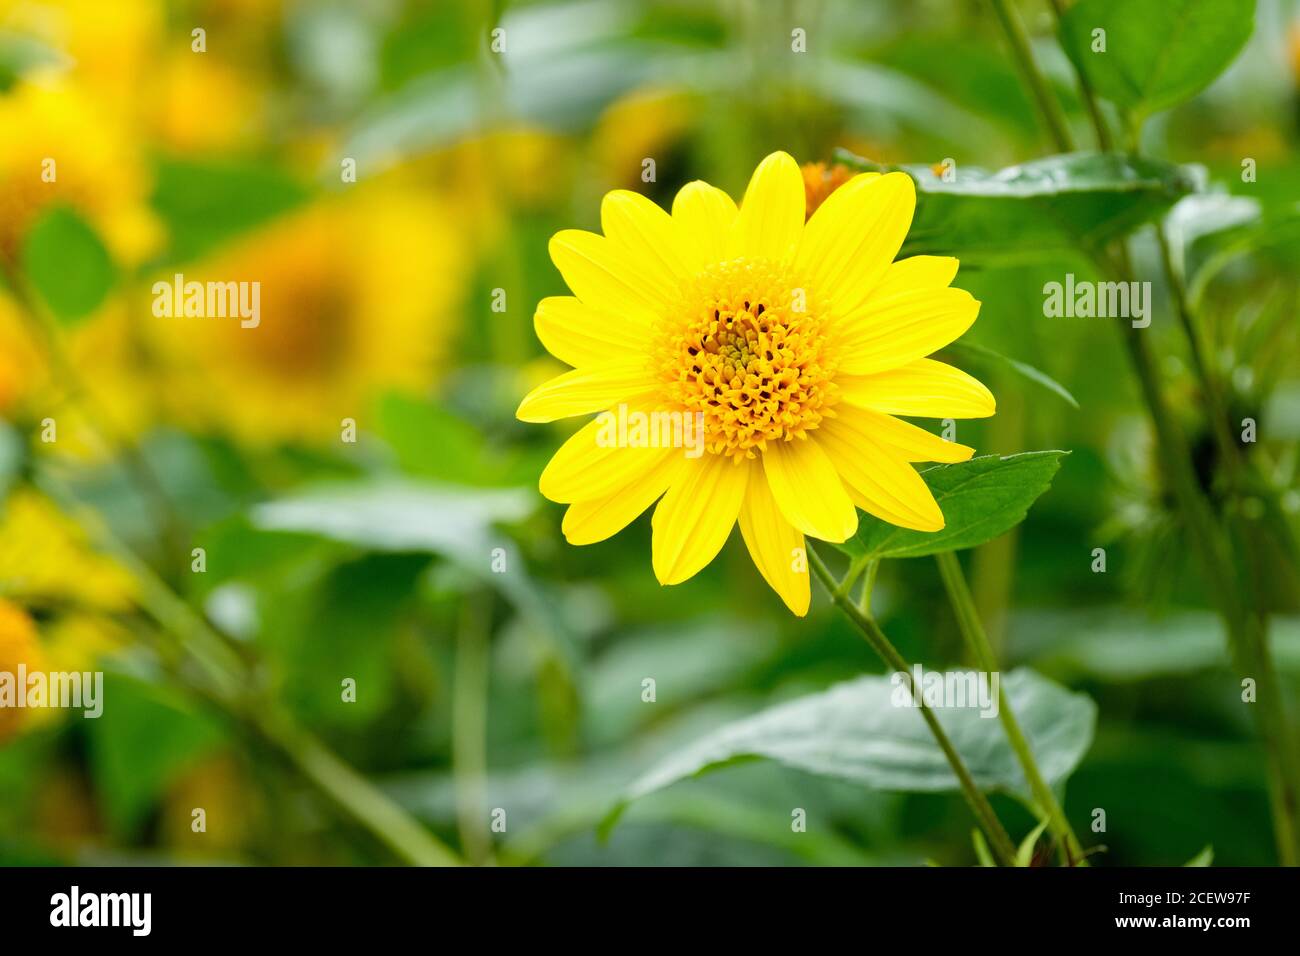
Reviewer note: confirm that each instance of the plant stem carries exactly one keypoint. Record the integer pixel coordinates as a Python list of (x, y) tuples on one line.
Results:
[(1212, 546), (232, 689), (1104, 141), (1034, 79), (963, 606), (1001, 843), (469, 730), (869, 585)]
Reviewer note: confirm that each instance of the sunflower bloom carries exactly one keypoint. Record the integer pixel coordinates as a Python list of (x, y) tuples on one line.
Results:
[(796, 345)]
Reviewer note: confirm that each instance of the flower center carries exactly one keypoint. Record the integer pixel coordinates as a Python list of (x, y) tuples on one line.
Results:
[(745, 346)]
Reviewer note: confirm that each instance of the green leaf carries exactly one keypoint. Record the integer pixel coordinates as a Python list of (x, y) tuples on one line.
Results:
[(1119, 647), (396, 515), (1204, 858), (206, 203), (1036, 209), (147, 738), (21, 55), (1023, 369), (980, 499), (67, 264), (1157, 52), (856, 731), (1025, 852)]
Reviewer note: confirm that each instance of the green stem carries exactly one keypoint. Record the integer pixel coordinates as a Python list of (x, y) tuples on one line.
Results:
[(1104, 141), (1212, 547), (1050, 109), (355, 796), (1247, 634), (231, 687), (1001, 843), (469, 730), (869, 585), (145, 481), (963, 606)]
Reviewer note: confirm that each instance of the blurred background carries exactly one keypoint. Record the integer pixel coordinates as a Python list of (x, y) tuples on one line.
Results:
[(343, 494)]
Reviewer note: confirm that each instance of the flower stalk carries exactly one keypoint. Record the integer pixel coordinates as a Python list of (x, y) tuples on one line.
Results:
[(1000, 843), (977, 643), (1218, 559)]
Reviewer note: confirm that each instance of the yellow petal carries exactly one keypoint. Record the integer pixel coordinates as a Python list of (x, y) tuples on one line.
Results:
[(648, 235), (924, 388), (776, 546), (890, 488), (808, 490), (605, 277), (585, 390), (917, 272), (853, 237), (705, 215), (578, 334), (770, 223), (892, 332), (590, 466), (693, 520), (586, 522), (909, 441)]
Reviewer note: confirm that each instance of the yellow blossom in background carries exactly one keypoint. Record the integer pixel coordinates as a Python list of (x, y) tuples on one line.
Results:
[(796, 345), (18, 647), (203, 103), (644, 124), (483, 180), (21, 364), (820, 180), (357, 295), (58, 146), (119, 401), (46, 560), (106, 49)]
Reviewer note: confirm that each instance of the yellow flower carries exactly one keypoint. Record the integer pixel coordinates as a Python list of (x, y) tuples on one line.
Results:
[(18, 646), (795, 344), (45, 560), (57, 146), (356, 295), (820, 180)]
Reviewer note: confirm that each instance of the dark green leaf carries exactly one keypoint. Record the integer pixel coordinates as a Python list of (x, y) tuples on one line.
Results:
[(858, 731), (1157, 52), (1036, 208), (980, 499), (1204, 858), (67, 264), (206, 203), (1023, 369), (399, 516), (148, 736)]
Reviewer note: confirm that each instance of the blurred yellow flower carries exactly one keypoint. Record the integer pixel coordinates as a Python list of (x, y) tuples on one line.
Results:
[(58, 146), (18, 647), (107, 49), (820, 180), (356, 294), (45, 560), (20, 361), (792, 346), (204, 103), (119, 400), (645, 124)]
